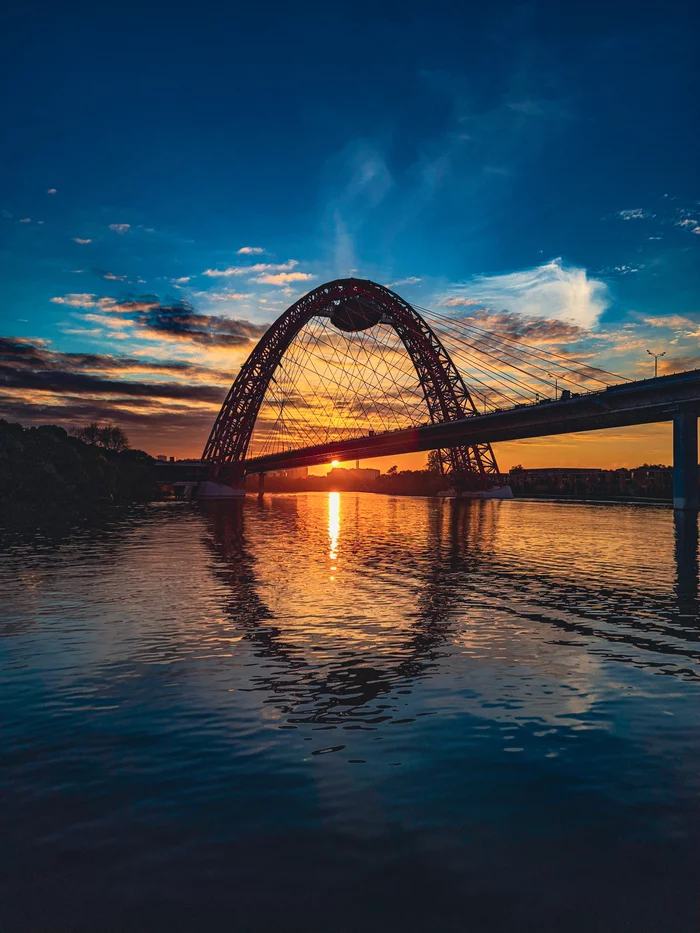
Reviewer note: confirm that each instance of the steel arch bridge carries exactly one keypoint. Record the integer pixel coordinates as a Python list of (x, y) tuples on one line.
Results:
[(352, 305)]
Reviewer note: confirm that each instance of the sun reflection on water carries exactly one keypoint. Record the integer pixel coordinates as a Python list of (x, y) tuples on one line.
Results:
[(333, 528)]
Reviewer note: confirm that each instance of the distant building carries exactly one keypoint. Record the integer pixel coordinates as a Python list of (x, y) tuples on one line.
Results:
[(161, 457), (343, 475), (293, 473), (644, 482)]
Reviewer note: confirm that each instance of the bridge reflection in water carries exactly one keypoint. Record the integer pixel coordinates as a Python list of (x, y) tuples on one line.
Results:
[(388, 606), (490, 704)]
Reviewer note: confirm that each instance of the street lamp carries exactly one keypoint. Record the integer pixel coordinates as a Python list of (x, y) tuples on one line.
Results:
[(556, 384), (657, 357)]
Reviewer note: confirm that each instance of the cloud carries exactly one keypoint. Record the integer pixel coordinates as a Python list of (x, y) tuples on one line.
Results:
[(51, 191), (120, 228), (83, 242), (76, 300), (249, 250), (364, 181), (25, 220), (183, 280), (636, 213), (551, 290), (177, 321), (678, 364), (283, 278), (38, 384), (249, 270), (36, 353), (73, 383), (129, 306), (411, 280), (224, 296), (673, 321), (458, 301), (181, 322), (528, 329), (111, 277), (169, 401)]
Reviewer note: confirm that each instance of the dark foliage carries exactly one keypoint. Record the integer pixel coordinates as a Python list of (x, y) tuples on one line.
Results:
[(45, 474)]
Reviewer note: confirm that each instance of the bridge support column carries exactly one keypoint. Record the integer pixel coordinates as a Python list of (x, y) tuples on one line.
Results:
[(261, 484), (685, 461)]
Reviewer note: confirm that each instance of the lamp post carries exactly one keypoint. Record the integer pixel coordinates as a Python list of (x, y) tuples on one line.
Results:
[(556, 384), (657, 357)]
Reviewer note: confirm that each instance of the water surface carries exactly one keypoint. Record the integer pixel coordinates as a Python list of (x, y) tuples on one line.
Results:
[(352, 712)]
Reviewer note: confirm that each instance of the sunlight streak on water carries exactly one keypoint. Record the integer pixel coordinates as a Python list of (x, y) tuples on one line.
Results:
[(333, 527)]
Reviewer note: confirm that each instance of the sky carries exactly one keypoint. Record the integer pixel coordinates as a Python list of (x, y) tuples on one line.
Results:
[(174, 177)]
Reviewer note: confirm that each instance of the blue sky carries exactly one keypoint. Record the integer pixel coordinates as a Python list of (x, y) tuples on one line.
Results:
[(539, 158)]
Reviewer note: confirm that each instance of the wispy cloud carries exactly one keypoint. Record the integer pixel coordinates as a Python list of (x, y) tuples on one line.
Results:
[(458, 301), (250, 250), (252, 270), (552, 290), (411, 280), (223, 296), (51, 191), (284, 278), (81, 240), (635, 213), (365, 181), (120, 228), (76, 300)]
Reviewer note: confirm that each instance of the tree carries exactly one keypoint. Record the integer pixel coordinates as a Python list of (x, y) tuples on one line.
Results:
[(518, 468), (90, 434), (113, 438), (434, 462), (392, 471), (109, 436)]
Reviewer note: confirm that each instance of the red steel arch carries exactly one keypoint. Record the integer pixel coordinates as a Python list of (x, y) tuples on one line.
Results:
[(352, 304)]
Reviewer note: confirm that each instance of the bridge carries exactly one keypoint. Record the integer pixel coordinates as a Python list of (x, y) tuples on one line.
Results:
[(381, 378)]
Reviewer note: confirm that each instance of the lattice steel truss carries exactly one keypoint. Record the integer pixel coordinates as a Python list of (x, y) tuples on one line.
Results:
[(352, 304)]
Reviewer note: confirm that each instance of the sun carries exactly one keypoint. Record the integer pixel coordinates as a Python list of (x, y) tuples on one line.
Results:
[(335, 463)]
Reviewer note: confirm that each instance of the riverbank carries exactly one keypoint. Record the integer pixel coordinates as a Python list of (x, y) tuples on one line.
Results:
[(48, 477)]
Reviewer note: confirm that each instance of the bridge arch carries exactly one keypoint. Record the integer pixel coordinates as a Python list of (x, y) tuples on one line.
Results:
[(352, 305)]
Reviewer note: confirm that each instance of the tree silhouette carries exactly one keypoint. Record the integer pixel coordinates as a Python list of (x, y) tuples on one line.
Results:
[(109, 436), (434, 463)]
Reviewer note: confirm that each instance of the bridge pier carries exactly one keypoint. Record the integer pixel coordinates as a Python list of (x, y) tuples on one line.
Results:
[(685, 461), (261, 484)]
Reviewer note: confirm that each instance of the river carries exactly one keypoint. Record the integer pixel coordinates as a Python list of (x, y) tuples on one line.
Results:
[(331, 712)]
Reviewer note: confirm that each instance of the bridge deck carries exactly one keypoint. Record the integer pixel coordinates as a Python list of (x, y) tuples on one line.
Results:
[(630, 403)]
